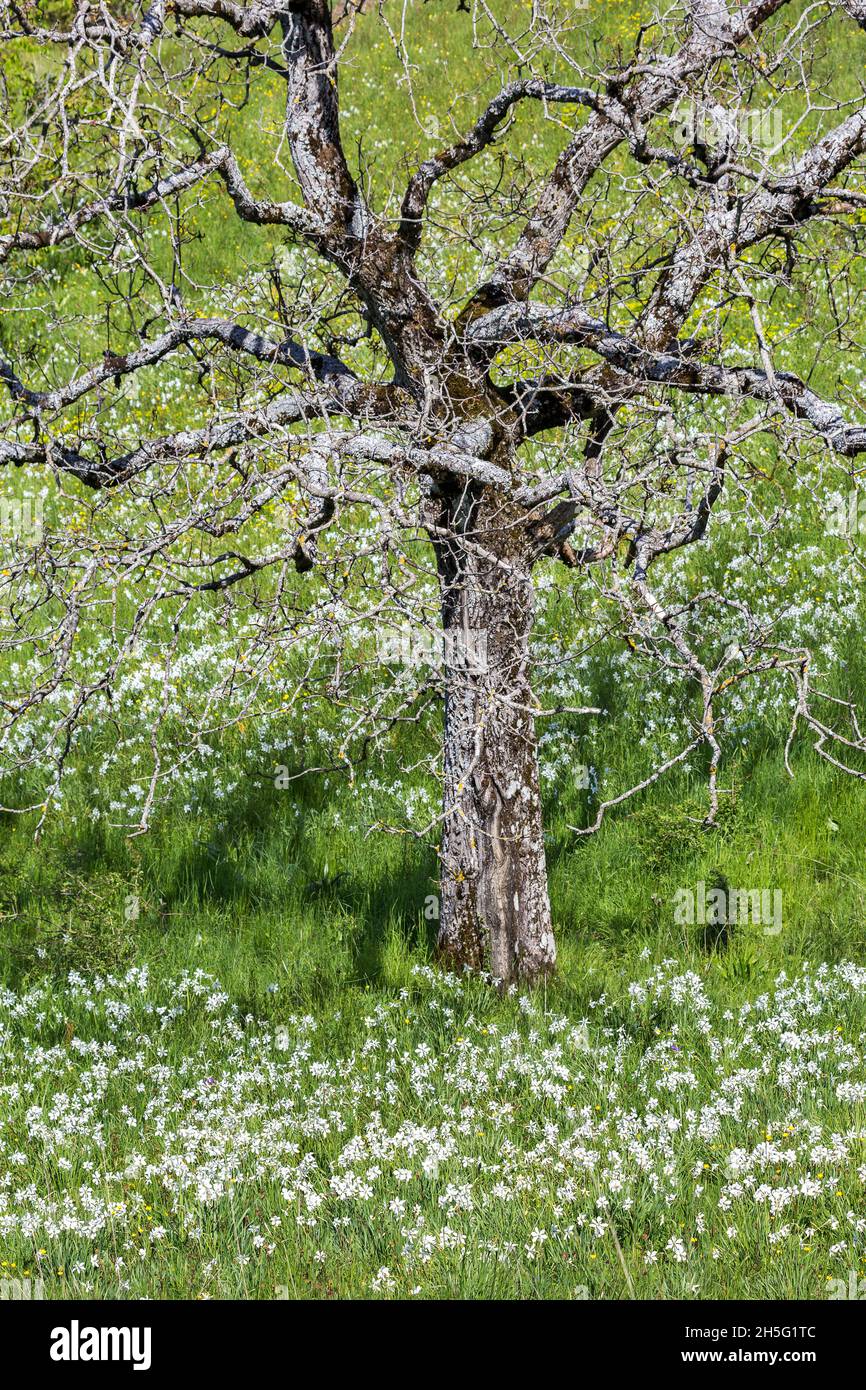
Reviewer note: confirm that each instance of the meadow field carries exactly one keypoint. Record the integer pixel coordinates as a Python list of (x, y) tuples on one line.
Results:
[(230, 1066)]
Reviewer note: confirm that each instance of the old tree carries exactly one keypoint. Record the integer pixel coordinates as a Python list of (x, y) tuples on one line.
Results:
[(417, 430)]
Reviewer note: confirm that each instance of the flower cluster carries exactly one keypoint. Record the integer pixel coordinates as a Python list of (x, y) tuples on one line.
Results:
[(457, 1143)]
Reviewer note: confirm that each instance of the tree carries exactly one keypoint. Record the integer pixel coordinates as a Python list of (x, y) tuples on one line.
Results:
[(532, 421)]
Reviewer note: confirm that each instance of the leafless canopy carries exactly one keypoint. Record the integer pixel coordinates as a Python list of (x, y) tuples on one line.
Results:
[(276, 366)]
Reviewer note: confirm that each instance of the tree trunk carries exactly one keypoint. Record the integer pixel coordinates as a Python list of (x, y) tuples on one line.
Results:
[(495, 910)]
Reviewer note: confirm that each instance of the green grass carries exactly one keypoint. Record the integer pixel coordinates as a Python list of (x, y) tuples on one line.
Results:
[(172, 1141), (284, 898), (282, 885)]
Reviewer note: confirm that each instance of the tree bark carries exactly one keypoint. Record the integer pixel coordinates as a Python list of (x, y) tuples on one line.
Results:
[(495, 909)]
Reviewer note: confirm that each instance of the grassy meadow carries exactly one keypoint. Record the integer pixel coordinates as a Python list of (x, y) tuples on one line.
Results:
[(228, 1065)]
